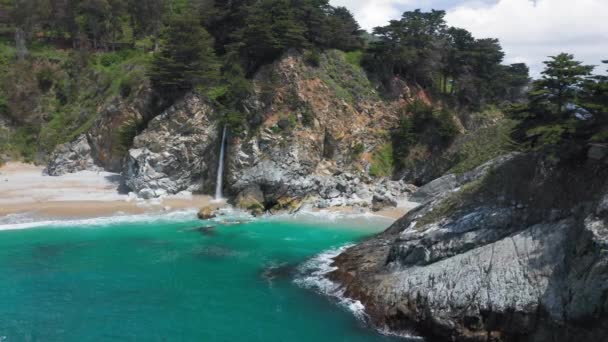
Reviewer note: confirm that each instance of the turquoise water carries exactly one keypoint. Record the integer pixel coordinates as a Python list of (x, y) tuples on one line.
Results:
[(162, 281)]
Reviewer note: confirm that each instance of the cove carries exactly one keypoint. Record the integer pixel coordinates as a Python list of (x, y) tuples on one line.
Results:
[(174, 280)]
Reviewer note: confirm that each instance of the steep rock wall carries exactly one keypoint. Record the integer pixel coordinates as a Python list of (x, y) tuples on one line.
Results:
[(518, 255)]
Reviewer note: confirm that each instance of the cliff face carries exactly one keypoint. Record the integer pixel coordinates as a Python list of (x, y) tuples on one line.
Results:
[(313, 123), (177, 152), (311, 131), (518, 254), (101, 145), (314, 129)]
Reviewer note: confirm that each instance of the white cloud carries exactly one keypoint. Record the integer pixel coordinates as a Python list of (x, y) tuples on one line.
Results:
[(372, 13), (529, 31)]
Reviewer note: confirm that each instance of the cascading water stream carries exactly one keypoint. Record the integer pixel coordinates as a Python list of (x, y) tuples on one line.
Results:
[(220, 168)]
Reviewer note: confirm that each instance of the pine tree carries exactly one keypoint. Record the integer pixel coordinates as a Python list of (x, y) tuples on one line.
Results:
[(561, 78), (186, 58)]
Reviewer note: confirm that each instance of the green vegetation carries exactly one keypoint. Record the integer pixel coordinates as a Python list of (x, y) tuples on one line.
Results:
[(354, 58), (357, 151), (485, 145), (449, 61), (450, 205), (382, 162), (566, 104), (186, 58), (422, 123)]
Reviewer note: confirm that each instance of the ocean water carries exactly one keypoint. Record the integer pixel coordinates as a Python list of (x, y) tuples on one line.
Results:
[(161, 279)]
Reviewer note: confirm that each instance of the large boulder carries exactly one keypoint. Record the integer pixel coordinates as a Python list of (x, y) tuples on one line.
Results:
[(72, 157), (519, 254), (177, 152)]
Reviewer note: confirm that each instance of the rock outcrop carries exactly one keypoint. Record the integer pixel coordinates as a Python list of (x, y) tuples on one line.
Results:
[(519, 254), (177, 152), (72, 157), (114, 117), (316, 131)]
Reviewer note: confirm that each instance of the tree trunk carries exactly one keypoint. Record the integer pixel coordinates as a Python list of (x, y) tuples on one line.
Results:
[(20, 42)]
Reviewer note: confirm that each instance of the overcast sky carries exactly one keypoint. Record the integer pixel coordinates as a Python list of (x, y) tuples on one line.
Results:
[(528, 30)]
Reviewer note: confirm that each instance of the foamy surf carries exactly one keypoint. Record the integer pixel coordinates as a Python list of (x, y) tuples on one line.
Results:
[(312, 275), (26, 221)]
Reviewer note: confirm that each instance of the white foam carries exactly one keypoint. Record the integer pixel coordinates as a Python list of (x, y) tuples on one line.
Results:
[(313, 276), (327, 216), (22, 221)]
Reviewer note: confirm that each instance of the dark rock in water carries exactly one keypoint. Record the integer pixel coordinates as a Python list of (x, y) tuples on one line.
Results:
[(280, 271), (518, 254), (207, 230)]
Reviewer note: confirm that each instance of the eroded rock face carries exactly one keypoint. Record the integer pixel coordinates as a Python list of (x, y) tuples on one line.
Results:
[(316, 129), (177, 152), (103, 137), (72, 157), (518, 255)]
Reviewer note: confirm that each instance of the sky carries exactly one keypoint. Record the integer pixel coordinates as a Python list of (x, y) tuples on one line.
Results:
[(529, 30)]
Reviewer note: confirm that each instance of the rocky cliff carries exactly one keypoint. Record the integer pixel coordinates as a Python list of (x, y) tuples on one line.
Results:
[(519, 253), (309, 131), (318, 130)]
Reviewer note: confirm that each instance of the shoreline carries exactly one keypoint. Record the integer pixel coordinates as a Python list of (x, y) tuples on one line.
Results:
[(24, 190)]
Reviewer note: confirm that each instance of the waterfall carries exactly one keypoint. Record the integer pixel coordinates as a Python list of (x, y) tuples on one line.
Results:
[(220, 169)]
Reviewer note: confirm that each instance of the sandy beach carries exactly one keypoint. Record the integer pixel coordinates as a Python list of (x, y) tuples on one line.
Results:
[(24, 189)]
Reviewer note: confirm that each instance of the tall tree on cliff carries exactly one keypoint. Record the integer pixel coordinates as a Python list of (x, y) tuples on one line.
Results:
[(186, 58), (561, 80)]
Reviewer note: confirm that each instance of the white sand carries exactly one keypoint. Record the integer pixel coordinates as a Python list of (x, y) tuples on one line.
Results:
[(24, 183), (25, 189)]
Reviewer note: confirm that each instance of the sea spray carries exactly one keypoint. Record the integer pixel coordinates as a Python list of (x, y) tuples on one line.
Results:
[(220, 168), (313, 276)]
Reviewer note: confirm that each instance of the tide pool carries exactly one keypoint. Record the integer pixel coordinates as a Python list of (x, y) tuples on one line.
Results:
[(168, 280)]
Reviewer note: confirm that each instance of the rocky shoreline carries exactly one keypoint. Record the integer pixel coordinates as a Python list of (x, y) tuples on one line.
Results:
[(518, 255)]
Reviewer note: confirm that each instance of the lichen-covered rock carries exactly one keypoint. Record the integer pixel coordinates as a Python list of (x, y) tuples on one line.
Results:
[(177, 152), (72, 157), (519, 254), (207, 213), (252, 200)]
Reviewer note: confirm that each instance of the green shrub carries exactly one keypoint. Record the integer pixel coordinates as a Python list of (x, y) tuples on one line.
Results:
[(447, 128), (421, 112), (357, 151), (601, 136), (312, 58), (126, 134), (485, 145), (382, 162), (235, 120), (354, 58), (46, 77), (551, 134)]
